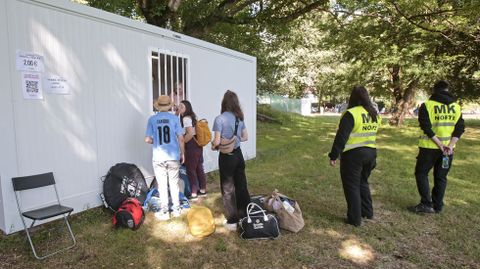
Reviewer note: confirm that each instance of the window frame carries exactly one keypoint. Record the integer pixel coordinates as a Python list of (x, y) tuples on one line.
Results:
[(185, 71)]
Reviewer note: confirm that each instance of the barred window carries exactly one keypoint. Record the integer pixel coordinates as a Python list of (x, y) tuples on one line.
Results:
[(169, 76)]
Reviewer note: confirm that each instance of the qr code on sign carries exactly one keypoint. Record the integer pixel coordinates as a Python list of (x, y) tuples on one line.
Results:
[(31, 86)]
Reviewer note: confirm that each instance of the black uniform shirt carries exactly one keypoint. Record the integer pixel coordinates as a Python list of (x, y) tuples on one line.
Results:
[(344, 129)]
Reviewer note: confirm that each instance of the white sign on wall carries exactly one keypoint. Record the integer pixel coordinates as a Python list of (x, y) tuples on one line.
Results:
[(32, 85), (29, 61), (57, 85)]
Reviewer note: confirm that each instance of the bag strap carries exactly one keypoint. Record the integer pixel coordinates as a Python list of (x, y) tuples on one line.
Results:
[(279, 196), (250, 208), (102, 196), (236, 127), (234, 132)]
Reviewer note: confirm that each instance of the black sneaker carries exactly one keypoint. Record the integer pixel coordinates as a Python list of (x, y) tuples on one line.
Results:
[(346, 221), (437, 209), (202, 194), (369, 219), (421, 208)]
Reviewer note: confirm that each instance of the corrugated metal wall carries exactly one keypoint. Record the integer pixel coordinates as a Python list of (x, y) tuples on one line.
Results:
[(105, 59), (8, 164)]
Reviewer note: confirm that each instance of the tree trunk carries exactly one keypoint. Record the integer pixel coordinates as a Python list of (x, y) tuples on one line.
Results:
[(404, 104), (396, 82)]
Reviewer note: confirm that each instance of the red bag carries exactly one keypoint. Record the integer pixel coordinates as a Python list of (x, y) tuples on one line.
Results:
[(129, 215)]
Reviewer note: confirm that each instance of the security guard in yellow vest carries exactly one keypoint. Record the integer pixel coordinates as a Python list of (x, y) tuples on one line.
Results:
[(440, 119), (355, 142)]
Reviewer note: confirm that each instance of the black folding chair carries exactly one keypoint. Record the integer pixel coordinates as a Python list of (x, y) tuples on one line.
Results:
[(37, 181)]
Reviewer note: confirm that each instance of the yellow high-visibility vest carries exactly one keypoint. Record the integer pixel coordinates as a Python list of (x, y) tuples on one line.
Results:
[(364, 132), (443, 118)]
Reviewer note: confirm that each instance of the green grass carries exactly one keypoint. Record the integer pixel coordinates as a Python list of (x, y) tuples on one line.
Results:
[(292, 157)]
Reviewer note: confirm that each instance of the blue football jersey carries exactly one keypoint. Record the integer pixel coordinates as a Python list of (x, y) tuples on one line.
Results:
[(164, 128)]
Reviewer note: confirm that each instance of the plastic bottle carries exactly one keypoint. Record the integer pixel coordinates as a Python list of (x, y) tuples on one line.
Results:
[(288, 207), (445, 162)]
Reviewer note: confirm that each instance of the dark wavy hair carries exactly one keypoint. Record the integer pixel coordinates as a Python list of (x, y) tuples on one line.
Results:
[(440, 86), (360, 97), (188, 112), (230, 103)]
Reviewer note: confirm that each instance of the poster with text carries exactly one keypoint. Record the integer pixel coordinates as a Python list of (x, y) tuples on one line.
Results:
[(57, 85), (32, 85)]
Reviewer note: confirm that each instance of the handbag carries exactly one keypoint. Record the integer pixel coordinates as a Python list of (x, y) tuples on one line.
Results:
[(288, 211), (228, 145), (258, 225)]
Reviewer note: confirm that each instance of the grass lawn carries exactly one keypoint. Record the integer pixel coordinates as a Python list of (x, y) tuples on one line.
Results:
[(292, 157)]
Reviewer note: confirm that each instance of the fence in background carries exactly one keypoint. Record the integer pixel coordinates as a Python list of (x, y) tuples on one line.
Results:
[(278, 102)]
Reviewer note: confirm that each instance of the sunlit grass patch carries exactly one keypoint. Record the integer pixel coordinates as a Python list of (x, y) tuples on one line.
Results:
[(356, 252)]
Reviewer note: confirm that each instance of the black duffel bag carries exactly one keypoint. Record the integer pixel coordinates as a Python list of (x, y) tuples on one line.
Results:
[(258, 225)]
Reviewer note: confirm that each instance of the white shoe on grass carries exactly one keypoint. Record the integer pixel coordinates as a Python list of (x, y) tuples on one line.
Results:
[(231, 226), (176, 212), (162, 215)]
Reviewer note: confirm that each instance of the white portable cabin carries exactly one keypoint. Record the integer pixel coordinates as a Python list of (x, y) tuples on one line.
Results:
[(77, 87)]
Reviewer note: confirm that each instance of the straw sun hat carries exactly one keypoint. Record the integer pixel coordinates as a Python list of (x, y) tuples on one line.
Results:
[(163, 103)]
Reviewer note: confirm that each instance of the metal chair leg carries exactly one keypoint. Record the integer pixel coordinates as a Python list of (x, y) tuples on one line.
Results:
[(70, 230), (30, 240)]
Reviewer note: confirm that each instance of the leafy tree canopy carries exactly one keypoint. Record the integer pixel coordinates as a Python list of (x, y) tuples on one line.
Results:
[(400, 47), (397, 48)]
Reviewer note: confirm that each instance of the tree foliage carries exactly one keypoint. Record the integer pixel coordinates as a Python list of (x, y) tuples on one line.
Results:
[(391, 47), (199, 17), (305, 63), (456, 25), (396, 48)]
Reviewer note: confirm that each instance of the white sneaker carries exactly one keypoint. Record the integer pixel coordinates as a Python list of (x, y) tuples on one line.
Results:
[(176, 212), (162, 215), (231, 226)]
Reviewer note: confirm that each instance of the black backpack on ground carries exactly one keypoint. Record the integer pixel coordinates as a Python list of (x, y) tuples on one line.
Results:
[(123, 180)]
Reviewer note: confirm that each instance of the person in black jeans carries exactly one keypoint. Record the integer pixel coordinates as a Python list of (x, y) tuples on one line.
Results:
[(230, 126)]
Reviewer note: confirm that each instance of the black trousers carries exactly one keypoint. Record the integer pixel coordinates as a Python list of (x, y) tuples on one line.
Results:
[(355, 168), (233, 183), (426, 159)]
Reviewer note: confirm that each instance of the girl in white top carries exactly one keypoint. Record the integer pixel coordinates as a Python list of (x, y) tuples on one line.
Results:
[(193, 152)]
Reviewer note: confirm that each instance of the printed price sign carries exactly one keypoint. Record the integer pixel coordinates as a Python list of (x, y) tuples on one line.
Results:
[(29, 61)]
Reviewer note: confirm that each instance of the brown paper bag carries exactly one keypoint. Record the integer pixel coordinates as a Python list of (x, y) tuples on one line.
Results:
[(291, 221)]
